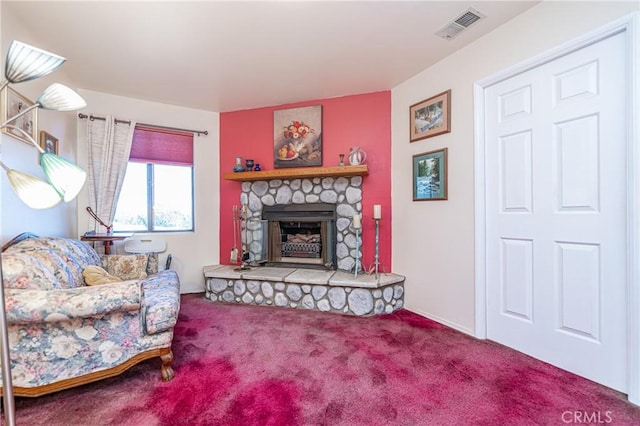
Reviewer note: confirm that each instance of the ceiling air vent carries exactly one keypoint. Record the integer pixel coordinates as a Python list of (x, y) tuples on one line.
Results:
[(461, 23)]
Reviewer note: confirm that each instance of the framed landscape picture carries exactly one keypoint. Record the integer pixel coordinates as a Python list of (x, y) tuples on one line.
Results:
[(13, 103), (297, 137), (430, 117), (48, 142), (430, 176)]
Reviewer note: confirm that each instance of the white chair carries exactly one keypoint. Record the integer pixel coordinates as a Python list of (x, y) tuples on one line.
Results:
[(145, 244)]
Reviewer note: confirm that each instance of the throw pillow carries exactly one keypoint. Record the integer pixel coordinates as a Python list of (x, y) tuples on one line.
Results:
[(95, 275), (127, 267)]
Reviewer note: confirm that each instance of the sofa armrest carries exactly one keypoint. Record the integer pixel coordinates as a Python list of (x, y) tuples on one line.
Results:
[(161, 294), (82, 302)]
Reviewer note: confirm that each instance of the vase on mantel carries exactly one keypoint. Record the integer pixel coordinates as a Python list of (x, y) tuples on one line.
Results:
[(357, 156), (238, 167)]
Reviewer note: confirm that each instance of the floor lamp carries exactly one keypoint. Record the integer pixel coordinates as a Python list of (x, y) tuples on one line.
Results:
[(64, 179)]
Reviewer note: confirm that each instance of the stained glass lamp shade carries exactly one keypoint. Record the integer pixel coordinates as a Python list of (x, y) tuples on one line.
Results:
[(66, 177), (32, 191), (57, 97), (26, 63)]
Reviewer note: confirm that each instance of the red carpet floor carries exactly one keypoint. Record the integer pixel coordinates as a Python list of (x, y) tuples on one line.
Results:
[(243, 365)]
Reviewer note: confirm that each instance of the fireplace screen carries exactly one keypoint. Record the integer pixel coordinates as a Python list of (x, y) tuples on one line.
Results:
[(301, 234)]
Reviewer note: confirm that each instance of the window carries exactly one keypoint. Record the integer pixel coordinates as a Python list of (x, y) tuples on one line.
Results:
[(157, 192)]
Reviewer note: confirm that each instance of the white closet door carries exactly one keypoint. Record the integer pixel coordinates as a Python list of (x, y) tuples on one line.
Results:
[(556, 225)]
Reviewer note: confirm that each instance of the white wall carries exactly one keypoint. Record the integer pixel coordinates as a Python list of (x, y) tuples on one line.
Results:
[(438, 258), (15, 217), (190, 250)]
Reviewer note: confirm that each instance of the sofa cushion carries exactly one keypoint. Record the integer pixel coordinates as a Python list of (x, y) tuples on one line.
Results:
[(65, 268), (152, 263), (95, 275), (126, 267), (21, 270), (60, 269), (74, 253), (83, 253)]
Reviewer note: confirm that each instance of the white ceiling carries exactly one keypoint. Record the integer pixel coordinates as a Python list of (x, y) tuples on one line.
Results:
[(227, 56)]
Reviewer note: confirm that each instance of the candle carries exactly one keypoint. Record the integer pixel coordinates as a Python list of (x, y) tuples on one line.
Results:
[(377, 211), (356, 222)]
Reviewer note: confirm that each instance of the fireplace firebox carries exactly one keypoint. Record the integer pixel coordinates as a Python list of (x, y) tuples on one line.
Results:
[(300, 235)]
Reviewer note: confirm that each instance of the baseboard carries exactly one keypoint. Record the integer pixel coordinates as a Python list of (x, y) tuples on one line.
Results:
[(442, 321)]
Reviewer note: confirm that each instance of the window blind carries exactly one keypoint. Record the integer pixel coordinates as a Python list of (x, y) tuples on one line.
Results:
[(161, 146)]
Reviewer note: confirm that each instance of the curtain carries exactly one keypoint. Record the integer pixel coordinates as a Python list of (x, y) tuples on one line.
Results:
[(109, 148)]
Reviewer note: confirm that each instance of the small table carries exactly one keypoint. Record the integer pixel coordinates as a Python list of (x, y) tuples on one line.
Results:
[(106, 238)]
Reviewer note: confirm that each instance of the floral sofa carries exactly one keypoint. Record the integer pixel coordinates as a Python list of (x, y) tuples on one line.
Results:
[(64, 333)]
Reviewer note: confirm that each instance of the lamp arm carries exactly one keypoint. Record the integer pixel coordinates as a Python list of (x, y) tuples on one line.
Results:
[(20, 114), (25, 134), (4, 84), (8, 400)]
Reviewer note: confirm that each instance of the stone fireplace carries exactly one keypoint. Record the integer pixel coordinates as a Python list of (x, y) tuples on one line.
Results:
[(302, 222), (299, 220)]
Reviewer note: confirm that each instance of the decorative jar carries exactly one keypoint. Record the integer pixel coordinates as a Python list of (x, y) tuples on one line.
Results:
[(238, 167), (357, 156)]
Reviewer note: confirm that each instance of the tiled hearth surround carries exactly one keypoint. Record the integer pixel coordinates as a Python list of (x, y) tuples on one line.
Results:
[(344, 192), (326, 291)]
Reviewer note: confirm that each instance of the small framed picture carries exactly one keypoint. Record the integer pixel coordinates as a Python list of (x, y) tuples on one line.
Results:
[(431, 117), (48, 142), (12, 104), (430, 176)]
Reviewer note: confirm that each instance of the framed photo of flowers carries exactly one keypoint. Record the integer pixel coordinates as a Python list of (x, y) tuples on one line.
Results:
[(11, 104), (430, 117), (297, 137), (430, 176)]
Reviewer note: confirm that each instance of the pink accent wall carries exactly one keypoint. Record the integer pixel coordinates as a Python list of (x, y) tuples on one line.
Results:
[(358, 120)]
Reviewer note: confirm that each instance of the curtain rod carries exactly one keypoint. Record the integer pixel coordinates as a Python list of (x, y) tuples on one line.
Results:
[(197, 132)]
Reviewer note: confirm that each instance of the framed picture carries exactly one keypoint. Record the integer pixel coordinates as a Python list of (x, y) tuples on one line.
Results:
[(297, 137), (430, 117), (11, 104), (430, 176), (48, 142)]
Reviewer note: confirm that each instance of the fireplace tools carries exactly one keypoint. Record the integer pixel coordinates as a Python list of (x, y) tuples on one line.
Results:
[(235, 220), (244, 214)]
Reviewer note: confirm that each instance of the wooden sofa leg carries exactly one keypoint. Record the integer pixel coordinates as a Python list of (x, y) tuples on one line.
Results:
[(167, 370)]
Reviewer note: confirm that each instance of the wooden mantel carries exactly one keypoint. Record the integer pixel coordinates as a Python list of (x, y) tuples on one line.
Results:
[(298, 173)]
